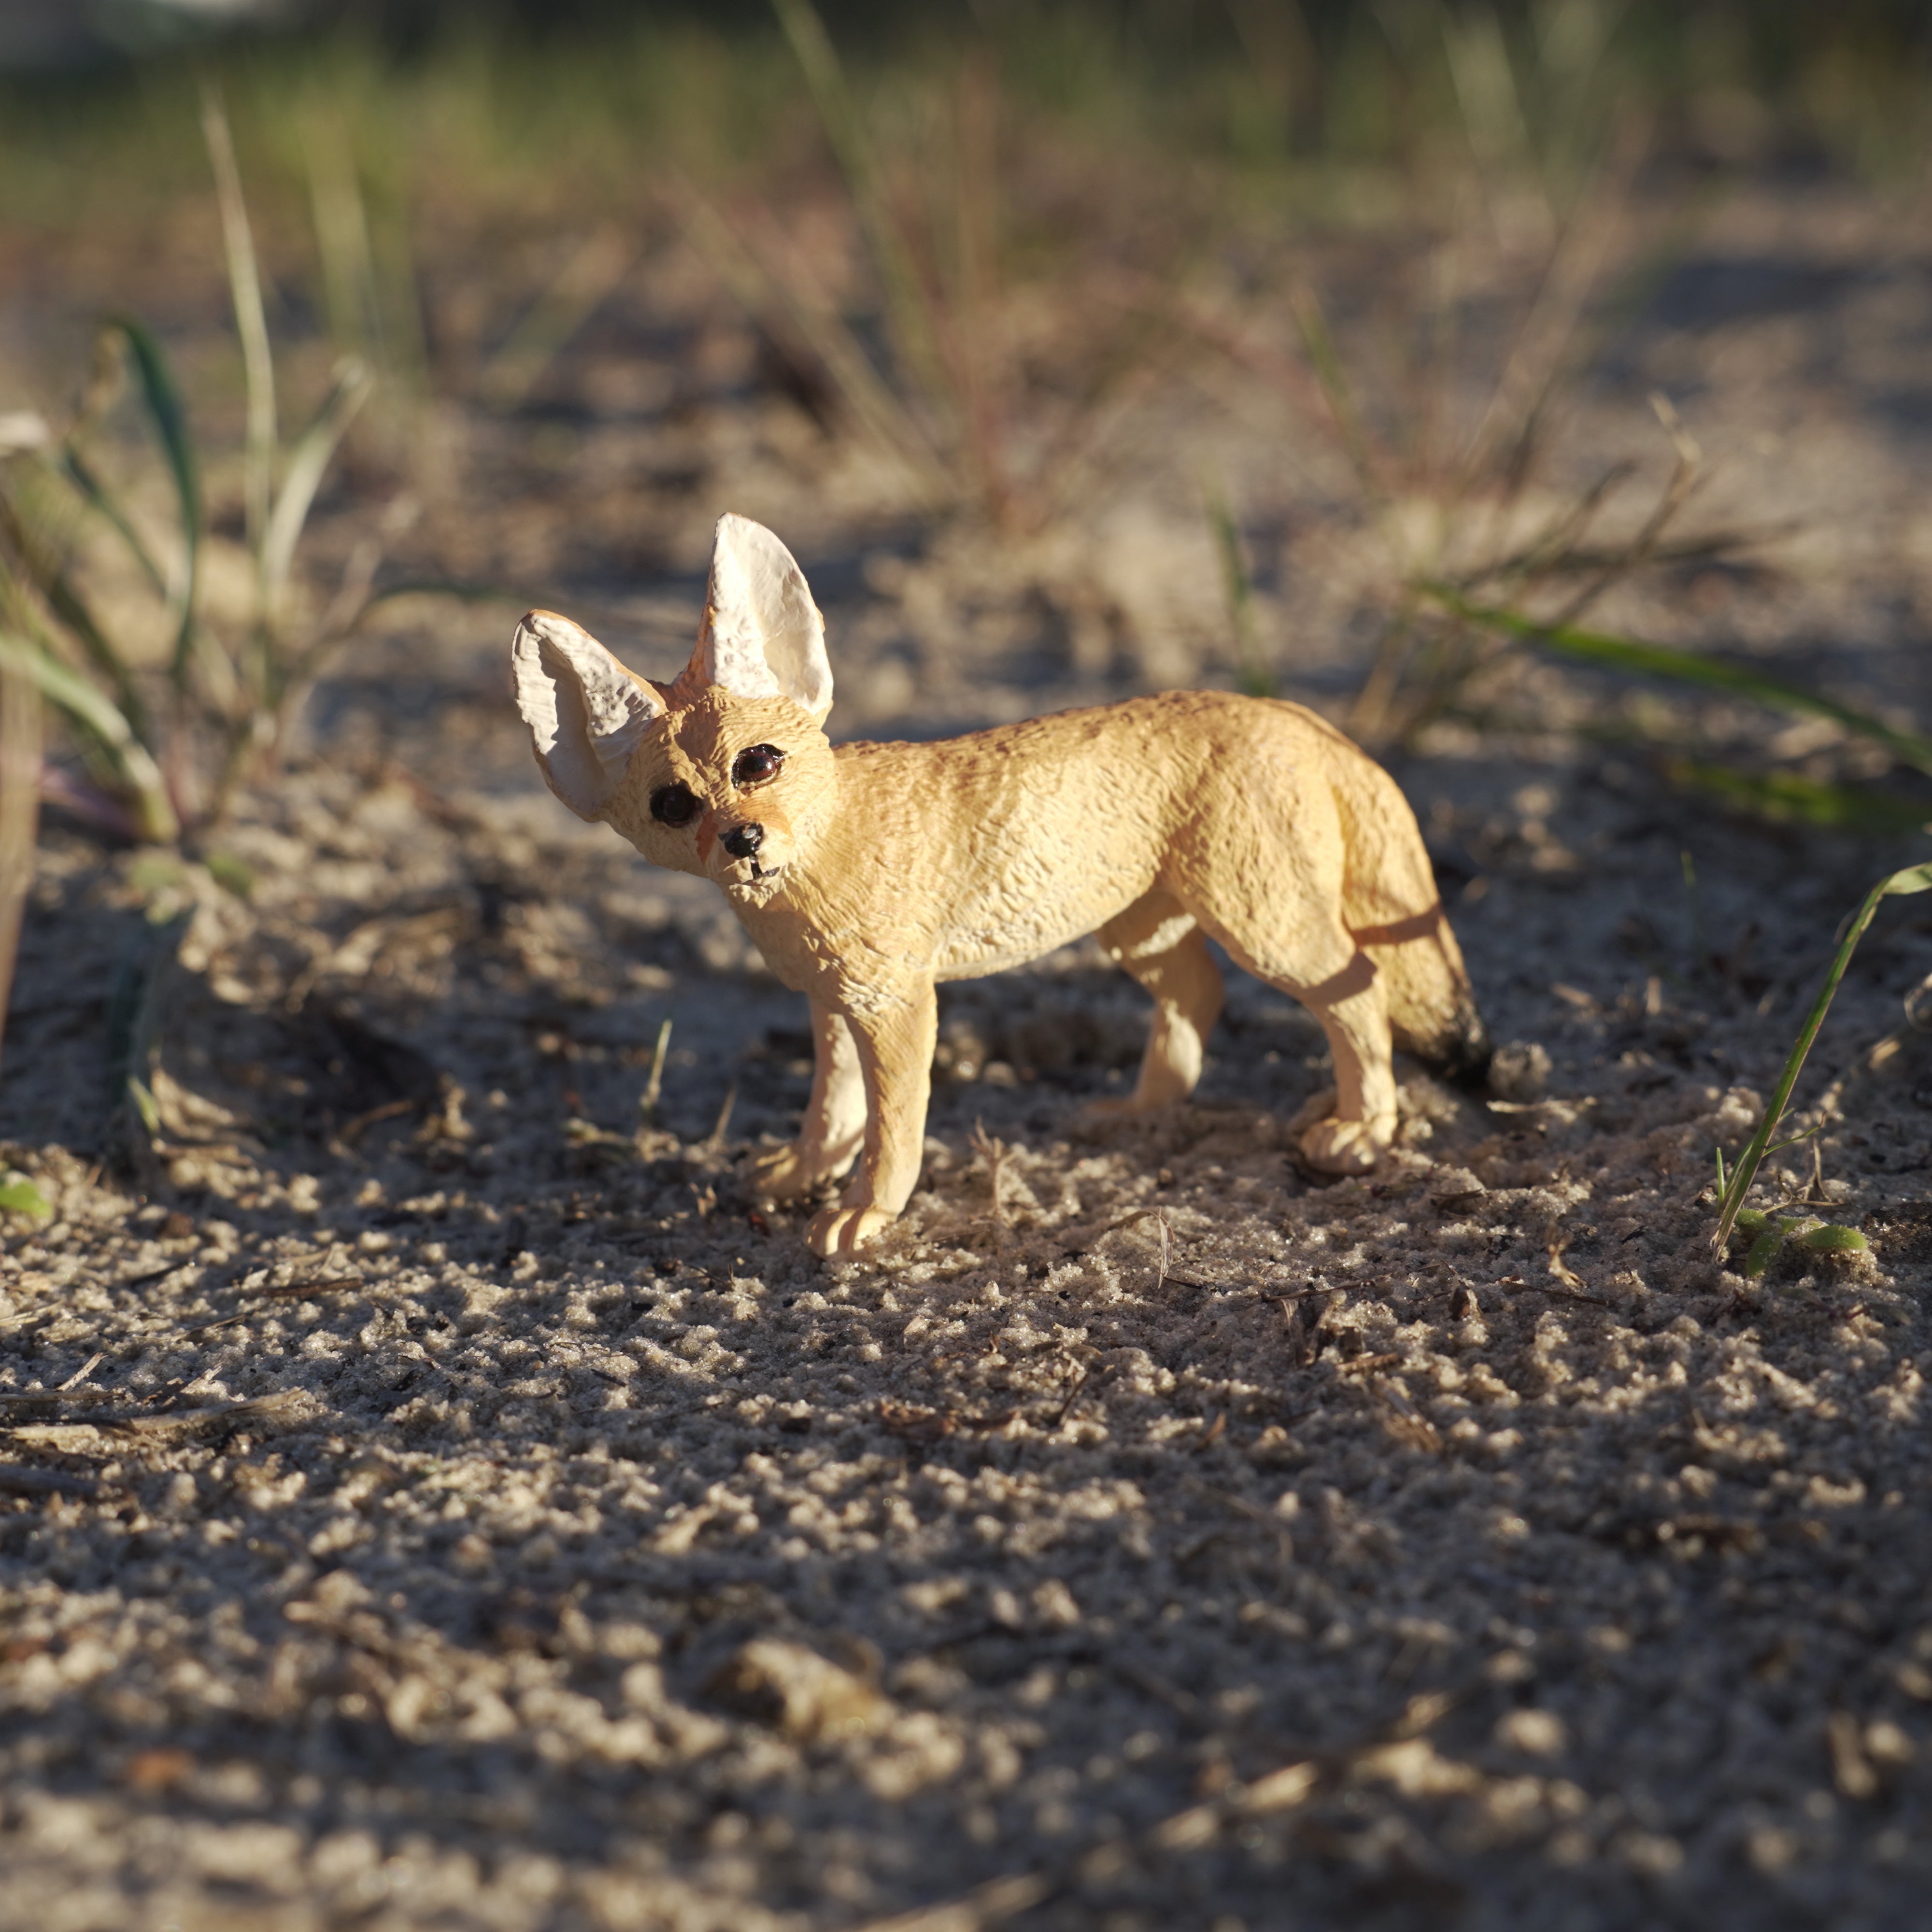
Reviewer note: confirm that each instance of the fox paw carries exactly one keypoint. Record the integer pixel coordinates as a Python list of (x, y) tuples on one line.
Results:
[(839, 1231), (786, 1174), (1346, 1147)]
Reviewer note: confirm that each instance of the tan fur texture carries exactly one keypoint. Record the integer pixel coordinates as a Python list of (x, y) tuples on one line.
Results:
[(866, 873)]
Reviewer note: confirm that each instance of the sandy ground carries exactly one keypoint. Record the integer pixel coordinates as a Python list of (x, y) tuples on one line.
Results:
[(435, 1496)]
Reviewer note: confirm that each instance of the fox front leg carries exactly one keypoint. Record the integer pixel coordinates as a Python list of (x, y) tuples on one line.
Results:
[(895, 1036), (834, 1126)]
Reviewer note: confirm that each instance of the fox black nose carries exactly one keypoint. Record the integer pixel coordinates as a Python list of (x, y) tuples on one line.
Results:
[(742, 841)]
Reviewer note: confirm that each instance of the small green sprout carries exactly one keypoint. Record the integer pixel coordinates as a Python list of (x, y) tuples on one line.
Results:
[(18, 1195), (1769, 1232)]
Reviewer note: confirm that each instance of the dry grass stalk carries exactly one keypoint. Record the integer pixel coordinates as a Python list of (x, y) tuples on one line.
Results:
[(647, 1102), (595, 271), (959, 400), (715, 1139), (994, 1153)]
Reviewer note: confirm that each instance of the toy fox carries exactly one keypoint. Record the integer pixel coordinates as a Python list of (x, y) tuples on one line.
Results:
[(867, 873)]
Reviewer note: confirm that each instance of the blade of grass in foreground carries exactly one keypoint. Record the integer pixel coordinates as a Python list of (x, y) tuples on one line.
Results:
[(1628, 655), (170, 421), (244, 285), (93, 709), (1912, 879), (74, 467), (20, 746), (307, 462)]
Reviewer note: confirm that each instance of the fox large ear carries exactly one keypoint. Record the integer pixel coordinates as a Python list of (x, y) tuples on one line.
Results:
[(762, 635), (585, 712)]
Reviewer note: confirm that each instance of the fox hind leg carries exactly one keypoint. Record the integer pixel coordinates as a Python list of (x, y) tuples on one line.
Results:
[(1320, 964), (1157, 941)]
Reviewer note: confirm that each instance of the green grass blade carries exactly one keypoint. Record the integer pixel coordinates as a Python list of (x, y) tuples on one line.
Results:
[(1788, 798), (170, 419), (102, 501), (40, 567), (1912, 879), (308, 462), (251, 323), (20, 1196), (1630, 655), (134, 1015), (67, 604), (96, 713)]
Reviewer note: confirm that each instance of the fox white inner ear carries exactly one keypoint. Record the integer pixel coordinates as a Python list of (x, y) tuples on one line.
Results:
[(762, 636), (585, 712)]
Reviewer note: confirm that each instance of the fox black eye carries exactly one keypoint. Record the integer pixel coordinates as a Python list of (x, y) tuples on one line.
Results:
[(753, 767), (674, 804)]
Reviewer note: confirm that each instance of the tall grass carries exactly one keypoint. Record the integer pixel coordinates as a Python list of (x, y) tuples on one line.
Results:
[(166, 745)]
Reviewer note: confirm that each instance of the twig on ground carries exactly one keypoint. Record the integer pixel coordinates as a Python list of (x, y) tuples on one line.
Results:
[(715, 1139), (17, 1480), (994, 1153), (1072, 1396)]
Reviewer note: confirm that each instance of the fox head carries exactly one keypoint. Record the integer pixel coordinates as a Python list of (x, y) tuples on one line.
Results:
[(726, 773)]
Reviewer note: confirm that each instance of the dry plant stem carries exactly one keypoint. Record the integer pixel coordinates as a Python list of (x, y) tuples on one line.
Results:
[(971, 339), (789, 302), (1643, 545), (908, 308), (1548, 339), (21, 726), (715, 1139), (1912, 879)]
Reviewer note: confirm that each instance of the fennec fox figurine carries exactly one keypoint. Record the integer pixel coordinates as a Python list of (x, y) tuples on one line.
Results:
[(866, 873)]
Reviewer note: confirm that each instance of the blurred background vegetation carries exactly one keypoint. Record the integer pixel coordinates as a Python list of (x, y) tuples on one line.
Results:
[(974, 240)]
